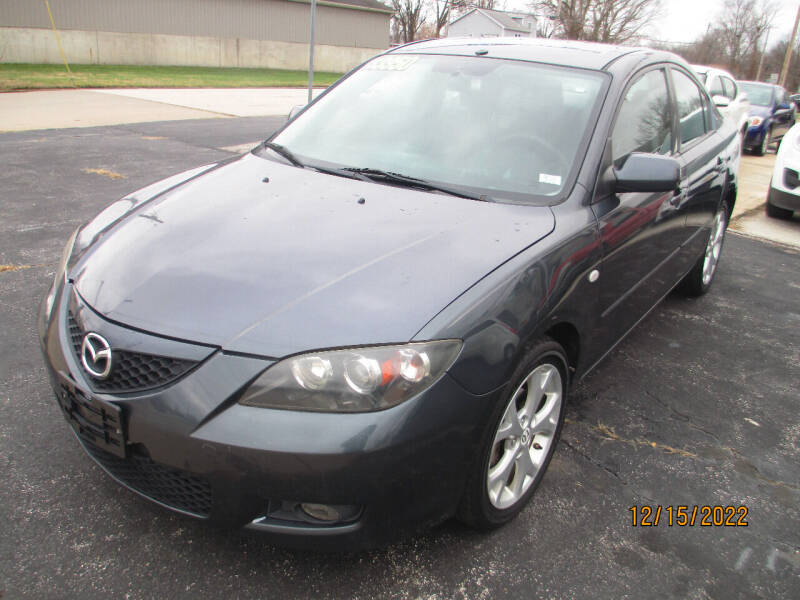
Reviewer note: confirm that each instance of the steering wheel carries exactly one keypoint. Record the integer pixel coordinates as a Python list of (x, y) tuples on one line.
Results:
[(544, 156)]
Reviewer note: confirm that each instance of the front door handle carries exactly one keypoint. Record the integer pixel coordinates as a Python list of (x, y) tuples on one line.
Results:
[(678, 197)]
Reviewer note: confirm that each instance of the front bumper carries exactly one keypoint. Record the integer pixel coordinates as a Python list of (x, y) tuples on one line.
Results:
[(191, 447), (755, 135), (784, 199)]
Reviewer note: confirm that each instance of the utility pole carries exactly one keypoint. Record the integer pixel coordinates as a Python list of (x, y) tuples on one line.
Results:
[(788, 58), (311, 51), (763, 52)]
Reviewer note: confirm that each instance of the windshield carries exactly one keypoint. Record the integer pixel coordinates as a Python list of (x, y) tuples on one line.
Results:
[(506, 129), (760, 95), (701, 75)]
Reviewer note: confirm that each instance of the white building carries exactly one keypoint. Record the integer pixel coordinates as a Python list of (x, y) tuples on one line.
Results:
[(482, 22)]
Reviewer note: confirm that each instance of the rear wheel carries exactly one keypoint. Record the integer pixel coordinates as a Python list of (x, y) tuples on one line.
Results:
[(518, 446), (699, 279)]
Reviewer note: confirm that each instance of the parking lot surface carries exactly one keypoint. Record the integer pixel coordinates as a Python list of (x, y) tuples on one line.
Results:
[(698, 406)]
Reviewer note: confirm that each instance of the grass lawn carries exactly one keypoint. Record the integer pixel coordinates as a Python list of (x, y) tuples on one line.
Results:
[(27, 76)]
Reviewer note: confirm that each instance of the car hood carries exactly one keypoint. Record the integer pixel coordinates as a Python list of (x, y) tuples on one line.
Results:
[(264, 258)]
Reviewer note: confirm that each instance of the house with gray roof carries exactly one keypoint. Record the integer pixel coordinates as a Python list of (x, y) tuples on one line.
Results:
[(482, 22)]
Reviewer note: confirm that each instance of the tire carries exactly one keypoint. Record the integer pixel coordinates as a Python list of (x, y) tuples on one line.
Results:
[(519, 443), (777, 212), (698, 281), (761, 149)]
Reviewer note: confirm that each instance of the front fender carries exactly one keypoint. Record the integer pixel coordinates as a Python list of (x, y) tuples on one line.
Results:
[(521, 300)]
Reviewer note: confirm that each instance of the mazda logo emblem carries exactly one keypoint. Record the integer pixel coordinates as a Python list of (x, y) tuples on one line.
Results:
[(96, 355)]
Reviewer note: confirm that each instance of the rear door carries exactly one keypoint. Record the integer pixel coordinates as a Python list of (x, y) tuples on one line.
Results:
[(700, 152), (639, 232)]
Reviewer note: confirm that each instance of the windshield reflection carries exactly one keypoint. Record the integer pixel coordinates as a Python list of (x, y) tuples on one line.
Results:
[(507, 129)]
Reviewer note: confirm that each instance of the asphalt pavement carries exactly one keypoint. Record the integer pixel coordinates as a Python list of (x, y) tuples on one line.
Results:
[(698, 406)]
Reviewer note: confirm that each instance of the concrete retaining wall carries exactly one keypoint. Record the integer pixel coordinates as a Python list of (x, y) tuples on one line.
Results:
[(29, 45)]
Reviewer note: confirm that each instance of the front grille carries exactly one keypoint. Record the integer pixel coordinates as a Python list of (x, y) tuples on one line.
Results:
[(172, 487), (131, 371), (75, 336)]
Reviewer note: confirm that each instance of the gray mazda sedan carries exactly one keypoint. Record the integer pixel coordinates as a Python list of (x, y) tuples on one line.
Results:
[(370, 322)]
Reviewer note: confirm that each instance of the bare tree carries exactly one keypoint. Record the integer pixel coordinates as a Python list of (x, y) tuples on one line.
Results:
[(742, 25), (459, 7), (441, 16), (736, 41), (708, 49), (545, 27), (773, 61), (612, 21), (409, 17)]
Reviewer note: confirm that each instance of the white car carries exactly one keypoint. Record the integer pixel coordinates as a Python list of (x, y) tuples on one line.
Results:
[(784, 189), (730, 99)]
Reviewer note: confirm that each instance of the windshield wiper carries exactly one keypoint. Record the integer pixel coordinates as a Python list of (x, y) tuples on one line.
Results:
[(407, 180), (285, 153), (340, 172)]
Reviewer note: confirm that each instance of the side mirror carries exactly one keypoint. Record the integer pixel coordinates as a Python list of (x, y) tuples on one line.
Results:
[(647, 173), (784, 106), (720, 101), (295, 110)]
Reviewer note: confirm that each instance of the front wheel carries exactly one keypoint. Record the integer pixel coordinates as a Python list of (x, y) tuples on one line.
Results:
[(761, 149), (699, 279), (518, 446)]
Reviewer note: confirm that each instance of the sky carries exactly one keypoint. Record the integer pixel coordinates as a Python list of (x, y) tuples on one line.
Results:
[(686, 20)]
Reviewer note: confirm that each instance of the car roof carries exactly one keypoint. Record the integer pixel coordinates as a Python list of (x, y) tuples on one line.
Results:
[(588, 55), (709, 69)]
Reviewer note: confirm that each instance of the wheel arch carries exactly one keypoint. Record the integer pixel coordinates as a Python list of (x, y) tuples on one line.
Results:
[(567, 336), (729, 196)]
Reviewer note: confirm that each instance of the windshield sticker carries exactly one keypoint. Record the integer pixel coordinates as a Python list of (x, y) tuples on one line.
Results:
[(551, 179), (391, 63)]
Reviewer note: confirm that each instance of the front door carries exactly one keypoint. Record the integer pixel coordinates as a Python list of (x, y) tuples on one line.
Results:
[(639, 232)]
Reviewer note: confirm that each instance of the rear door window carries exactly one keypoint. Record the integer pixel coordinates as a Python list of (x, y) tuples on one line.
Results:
[(692, 116), (716, 87), (730, 88)]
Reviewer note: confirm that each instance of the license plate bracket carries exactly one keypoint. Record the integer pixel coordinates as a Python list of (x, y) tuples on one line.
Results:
[(94, 420)]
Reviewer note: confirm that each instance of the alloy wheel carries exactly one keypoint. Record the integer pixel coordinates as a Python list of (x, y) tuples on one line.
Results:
[(524, 436), (714, 246)]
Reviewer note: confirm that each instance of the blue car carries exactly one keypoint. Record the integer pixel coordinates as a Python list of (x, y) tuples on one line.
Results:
[(772, 113)]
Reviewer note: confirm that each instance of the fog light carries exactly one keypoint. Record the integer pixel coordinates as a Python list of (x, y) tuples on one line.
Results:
[(323, 512)]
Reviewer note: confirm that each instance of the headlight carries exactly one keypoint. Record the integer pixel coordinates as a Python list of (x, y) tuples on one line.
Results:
[(756, 121), (352, 380)]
